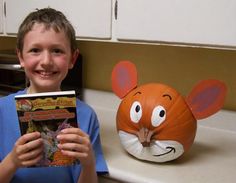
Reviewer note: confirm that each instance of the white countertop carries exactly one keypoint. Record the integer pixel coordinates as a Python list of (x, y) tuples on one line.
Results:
[(212, 157)]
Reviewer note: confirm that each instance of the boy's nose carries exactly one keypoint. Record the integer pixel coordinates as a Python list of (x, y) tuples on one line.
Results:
[(46, 58)]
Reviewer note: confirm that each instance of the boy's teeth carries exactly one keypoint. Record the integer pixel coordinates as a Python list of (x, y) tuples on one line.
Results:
[(45, 73)]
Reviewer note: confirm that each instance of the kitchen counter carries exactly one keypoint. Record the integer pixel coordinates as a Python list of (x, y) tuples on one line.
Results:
[(212, 157)]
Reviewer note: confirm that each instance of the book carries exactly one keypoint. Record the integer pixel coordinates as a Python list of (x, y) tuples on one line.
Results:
[(48, 113)]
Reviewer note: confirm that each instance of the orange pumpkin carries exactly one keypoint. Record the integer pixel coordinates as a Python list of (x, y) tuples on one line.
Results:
[(154, 121)]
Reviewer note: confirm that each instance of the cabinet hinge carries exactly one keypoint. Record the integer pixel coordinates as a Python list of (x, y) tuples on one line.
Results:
[(116, 9), (4, 9)]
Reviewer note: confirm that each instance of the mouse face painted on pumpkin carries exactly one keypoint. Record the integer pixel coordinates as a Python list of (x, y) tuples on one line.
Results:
[(155, 122)]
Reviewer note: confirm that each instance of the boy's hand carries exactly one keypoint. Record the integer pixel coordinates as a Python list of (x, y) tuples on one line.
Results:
[(76, 143), (27, 150)]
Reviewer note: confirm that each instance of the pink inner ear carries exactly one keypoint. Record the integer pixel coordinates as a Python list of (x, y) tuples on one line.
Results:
[(124, 78), (206, 98)]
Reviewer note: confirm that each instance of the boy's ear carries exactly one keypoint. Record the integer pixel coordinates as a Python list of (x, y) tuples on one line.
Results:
[(74, 58), (19, 55)]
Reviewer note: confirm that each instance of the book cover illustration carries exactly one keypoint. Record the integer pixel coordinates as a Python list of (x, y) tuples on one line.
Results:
[(48, 113)]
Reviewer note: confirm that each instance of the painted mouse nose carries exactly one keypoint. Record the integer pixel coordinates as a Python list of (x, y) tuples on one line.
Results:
[(145, 135)]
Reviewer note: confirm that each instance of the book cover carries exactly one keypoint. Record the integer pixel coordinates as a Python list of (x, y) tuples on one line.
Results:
[(48, 113)]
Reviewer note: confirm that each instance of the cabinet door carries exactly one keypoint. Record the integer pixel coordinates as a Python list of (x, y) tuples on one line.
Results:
[(1, 16), (90, 18), (210, 22)]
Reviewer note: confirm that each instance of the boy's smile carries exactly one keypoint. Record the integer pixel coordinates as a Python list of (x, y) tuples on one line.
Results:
[(46, 58), (45, 74)]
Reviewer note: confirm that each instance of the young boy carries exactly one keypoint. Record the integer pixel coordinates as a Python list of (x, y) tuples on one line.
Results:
[(46, 48)]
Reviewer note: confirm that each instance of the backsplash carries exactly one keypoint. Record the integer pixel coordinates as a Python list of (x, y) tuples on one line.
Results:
[(179, 67)]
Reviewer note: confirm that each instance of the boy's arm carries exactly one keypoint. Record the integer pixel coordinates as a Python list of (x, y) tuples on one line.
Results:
[(78, 145), (88, 173), (7, 169), (27, 151)]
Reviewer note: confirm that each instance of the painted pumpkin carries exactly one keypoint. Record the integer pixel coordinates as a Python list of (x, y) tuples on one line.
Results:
[(154, 121)]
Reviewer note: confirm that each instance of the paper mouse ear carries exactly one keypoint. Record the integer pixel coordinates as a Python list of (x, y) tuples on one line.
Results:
[(206, 98), (124, 78)]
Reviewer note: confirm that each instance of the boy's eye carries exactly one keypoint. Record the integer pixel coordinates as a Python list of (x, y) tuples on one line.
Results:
[(57, 51), (34, 50)]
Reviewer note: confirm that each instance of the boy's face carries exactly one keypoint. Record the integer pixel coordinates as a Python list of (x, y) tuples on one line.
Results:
[(46, 58)]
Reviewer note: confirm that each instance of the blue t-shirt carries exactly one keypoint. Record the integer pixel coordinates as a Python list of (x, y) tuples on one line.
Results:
[(10, 132)]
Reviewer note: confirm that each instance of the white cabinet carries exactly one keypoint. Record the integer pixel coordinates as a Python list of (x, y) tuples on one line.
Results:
[(201, 22), (188, 22), (1, 16), (90, 18)]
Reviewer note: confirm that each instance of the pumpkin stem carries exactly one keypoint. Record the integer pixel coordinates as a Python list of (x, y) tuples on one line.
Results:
[(144, 135)]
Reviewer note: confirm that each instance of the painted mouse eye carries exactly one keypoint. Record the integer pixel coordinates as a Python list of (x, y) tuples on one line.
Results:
[(158, 115), (136, 112)]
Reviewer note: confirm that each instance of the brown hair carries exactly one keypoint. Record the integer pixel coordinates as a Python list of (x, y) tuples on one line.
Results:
[(51, 18)]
